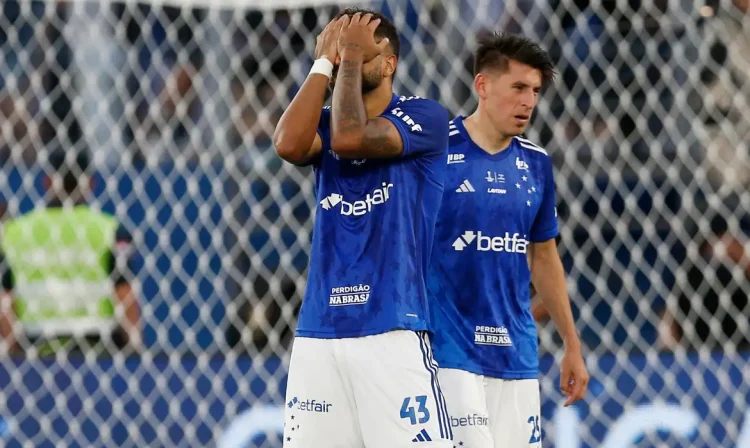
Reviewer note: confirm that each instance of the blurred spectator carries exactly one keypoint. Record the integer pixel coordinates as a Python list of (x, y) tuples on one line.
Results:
[(723, 99), (712, 309), (167, 123), (599, 73), (256, 113), (162, 85), (37, 82), (18, 126), (256, 108), (586, 145), (60, 125), (65, 277)]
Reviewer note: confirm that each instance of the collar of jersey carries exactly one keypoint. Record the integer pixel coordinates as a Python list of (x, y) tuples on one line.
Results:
[(459, 122)]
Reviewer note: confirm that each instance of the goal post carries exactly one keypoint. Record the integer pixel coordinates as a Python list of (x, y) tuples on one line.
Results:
[(176, 101)]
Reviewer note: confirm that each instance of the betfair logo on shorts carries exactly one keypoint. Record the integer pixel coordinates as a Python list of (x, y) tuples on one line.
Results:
[(358, 208), (492, 336), (470, 420), (349, 295), (309, 405)]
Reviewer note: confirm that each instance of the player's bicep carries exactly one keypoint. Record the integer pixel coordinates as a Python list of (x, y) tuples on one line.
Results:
[(539, 254), (309, 157), (317, 146), (542, 248)]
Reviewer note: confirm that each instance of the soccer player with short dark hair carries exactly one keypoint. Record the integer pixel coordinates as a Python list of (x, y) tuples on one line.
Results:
[(499, 208)]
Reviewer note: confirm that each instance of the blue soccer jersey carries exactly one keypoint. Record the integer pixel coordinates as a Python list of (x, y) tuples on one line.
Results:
[(374, 229), (493, 207)]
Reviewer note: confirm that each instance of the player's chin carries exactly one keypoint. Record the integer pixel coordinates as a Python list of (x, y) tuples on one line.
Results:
[(521, 121), (368, 86), (516, 129)]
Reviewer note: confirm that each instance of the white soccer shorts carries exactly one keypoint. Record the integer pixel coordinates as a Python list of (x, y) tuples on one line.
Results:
[(377, 391), (490, 412)]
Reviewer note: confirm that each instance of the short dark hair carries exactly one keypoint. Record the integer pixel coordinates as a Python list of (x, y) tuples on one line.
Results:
[(496, 50), (385, 29)]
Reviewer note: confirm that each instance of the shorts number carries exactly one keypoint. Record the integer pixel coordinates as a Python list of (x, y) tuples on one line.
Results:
[(536, 431), (409, 412)]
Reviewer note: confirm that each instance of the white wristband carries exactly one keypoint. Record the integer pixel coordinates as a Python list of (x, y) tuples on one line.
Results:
[(322, 66)]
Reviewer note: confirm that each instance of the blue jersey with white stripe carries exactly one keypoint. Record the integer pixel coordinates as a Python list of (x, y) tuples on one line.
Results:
[(374, 229), (493, 207)]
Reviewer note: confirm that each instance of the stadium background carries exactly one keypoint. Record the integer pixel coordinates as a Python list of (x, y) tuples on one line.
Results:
[(647, 124)]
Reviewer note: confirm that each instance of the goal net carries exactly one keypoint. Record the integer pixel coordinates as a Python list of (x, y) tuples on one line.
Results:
[(175, 101)]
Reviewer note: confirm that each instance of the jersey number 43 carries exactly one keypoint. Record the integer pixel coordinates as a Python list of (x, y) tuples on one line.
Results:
[(408, 410)]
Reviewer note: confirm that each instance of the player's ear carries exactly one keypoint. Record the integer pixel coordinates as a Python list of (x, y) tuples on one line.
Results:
[(480, 85), (389, 65)]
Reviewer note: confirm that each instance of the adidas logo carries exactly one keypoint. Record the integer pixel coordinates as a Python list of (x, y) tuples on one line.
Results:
[(422, 437), (465, 187)]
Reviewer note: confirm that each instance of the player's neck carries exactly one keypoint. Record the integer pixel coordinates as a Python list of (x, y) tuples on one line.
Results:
[(377, 100), (484, 134)]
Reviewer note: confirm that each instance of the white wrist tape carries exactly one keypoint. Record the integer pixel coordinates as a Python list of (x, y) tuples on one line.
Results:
[(322, 66)]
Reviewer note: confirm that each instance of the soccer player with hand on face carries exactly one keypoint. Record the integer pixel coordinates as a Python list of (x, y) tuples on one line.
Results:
[(361, 371)]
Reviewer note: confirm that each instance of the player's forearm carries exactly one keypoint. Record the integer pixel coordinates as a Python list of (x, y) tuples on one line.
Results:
[(131, 312), (295, 133), (548, 277), (539, 312), (349, 116)]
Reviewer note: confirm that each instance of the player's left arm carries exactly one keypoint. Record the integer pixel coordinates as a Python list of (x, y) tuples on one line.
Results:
[(548, 278), (538, 311), (413, 127)]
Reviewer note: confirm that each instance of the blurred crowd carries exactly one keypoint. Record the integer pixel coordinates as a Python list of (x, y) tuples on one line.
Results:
[(648, 125)]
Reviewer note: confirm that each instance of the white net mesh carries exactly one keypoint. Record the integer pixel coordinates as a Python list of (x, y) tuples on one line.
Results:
[(647, 123)]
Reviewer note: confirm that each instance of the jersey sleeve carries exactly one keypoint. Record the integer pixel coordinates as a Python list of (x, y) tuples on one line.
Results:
[(123, 257), (323, 131), (423, 125), (324, 124), (545, 223)]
